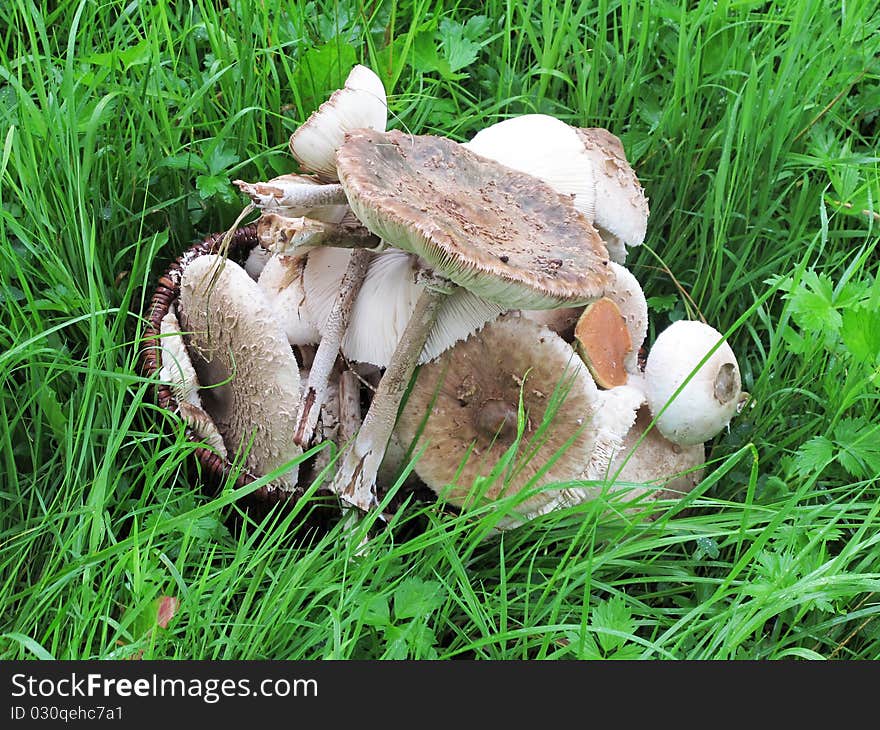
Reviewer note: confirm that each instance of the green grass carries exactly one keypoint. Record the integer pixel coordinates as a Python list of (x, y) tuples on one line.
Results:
[(754, 130)]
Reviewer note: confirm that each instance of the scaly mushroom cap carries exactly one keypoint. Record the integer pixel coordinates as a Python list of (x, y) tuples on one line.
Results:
[(712, 396), (626, 292), (621, 203), (282, 280), (249, 375), (385, 304), (545, 147), (468, 399), (502, 234), (666, 469), (361, 103), (588, 163)]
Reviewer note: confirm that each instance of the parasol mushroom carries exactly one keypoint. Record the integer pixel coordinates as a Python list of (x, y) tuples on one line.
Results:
[(463, 412), (248, 372), (504, 235), (692, 382), (588, 163)]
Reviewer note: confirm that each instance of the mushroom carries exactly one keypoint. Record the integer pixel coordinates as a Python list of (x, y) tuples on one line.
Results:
[(652, 465), (360, 104), (692, 382), (256, 260), (177, 370), (297, 196), (504, 235), (588, 163), (248, 372), (385, 304), (463, 413), (282, 281), (611, 330)]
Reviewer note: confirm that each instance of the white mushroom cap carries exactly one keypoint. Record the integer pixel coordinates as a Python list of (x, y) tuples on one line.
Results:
[(588, 163), (247, 369), (621, 203), (462, 410), (503, 234), (547, 148), (255, 261), (385, 304), (361, 103), (177, 369), (282, 281), (710, 398)]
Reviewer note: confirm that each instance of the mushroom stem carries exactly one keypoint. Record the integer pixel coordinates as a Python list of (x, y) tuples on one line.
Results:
[(349, 406), (355, 481), (293, 195), (325, 357), (287, 236)]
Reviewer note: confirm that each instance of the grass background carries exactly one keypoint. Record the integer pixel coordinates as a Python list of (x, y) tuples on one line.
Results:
[(754, 129)]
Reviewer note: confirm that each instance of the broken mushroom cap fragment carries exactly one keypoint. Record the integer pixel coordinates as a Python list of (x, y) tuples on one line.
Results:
[(588, 163), (294, 196), (504, 235), (282, 281), (463, 411), (385, 303), (248, 372), (361, 103), (655, 466), (612, 329), (603, 341), (709, 400)]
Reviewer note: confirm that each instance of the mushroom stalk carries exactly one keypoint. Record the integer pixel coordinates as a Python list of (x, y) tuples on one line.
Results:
[(355, 481), (325, 357), (349, 406), (286, 236)]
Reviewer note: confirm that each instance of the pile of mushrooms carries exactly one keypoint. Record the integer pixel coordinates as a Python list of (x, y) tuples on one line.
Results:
[(492, 271)]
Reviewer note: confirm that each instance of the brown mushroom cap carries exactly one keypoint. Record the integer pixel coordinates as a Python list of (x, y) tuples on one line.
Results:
[(248, 372), (468, 400), (666, 469), (502, 234)]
